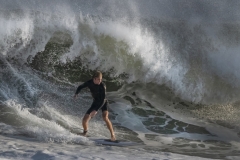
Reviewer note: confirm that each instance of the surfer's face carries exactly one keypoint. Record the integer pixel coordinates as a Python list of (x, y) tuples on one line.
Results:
[(97, 80)]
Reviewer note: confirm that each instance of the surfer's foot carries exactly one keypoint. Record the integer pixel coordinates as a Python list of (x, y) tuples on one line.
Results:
[(113, 138), (84, 134)]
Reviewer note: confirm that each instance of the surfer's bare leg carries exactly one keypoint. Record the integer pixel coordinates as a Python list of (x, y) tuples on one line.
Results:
[(85, 121), (109, 125)]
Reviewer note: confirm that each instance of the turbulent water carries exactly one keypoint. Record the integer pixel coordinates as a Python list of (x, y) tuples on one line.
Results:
[(171, 70)]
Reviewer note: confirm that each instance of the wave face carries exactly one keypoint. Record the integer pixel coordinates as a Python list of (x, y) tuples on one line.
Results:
[(161, 60)]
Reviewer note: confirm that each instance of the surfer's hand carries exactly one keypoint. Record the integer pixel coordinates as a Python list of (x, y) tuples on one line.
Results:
[(93, 113)]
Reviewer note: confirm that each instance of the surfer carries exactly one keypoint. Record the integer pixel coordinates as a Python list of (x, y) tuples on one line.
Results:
[(98, 90)]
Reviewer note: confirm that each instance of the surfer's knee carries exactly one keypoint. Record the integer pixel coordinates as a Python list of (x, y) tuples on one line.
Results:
[(105, 116)]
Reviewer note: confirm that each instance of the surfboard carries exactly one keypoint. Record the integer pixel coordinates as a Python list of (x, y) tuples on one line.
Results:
[(103, 141), (108, 142)]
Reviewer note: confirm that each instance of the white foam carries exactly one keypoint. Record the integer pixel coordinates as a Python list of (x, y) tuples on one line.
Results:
[(7, 129), (150, 56), (24, 149), (43, 129), (14, 31)]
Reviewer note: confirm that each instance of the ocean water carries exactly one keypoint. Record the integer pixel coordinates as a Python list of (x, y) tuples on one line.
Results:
[(171, 70)]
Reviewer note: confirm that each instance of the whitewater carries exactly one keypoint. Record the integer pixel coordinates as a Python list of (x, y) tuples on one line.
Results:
[(171, 69)]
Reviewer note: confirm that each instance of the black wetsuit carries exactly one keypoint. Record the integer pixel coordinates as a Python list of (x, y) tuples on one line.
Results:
[(98, 94)]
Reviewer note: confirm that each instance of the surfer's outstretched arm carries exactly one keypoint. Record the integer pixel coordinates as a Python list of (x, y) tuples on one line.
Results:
[(84, 85)]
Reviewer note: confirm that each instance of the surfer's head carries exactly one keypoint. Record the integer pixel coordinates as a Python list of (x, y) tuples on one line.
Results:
[(97, 77)]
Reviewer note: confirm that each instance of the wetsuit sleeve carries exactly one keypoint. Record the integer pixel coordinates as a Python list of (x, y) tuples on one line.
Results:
[(84, 85)]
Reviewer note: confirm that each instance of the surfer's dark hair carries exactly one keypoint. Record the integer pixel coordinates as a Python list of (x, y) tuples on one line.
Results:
[(97, 74)]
